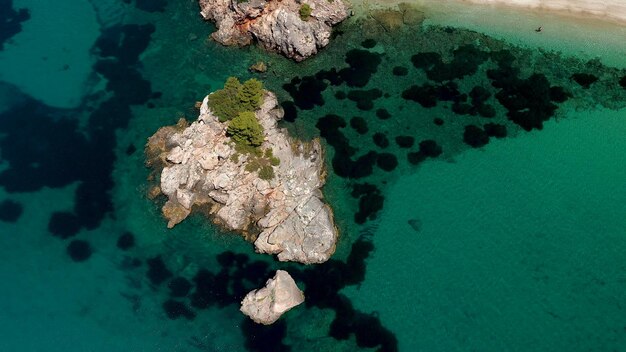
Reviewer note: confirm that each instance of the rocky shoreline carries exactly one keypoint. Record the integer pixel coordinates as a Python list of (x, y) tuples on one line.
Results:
[(200, 168), (294, 28)]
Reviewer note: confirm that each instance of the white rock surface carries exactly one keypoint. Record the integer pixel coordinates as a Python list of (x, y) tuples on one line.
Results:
[(267, 304), (285, 215), (276, 24)]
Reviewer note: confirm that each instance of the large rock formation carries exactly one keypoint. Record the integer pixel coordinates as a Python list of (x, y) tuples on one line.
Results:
[(267, 304), (200, 168), (277, 25)]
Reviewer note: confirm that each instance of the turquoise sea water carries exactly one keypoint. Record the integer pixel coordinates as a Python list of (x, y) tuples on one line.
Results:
[(517, 244)]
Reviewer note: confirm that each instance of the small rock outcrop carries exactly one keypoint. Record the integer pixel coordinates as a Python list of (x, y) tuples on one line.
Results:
[(295, 28), (200, 168), (267, 304)]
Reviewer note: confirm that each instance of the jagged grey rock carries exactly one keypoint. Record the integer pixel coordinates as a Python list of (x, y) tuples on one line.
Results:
[(276, 25), (266, 305), (201, 169)]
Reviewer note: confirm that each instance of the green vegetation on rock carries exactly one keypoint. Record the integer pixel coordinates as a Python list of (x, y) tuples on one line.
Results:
[(246, 130), (235, 104), (305, 12), (250, 95), (262, 162), (235, 98)]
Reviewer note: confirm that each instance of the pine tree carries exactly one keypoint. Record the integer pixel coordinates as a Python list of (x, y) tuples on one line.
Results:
[(250, 95), (246, 130)]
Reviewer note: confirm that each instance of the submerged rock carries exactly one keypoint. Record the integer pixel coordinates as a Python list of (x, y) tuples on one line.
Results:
[(296, 29), (266, 305), (200, 168)]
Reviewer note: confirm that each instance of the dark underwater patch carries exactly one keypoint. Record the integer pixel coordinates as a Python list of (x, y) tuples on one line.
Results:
[(383, 114), (10, 21), (364, 99), (176, 309), (427, 149), (466, 60), (179, 287), (79, 250), (430, 148), (42, 148), (151, 5), (130, 150), (343, 165), (387, 161), (479, 95), (362, 65), (332, 76), (10, 210), (157, 271), (380, 140), (306, 92), (359, 125), (341, 95), (265, 338), (126, 241), (405, 141), (622, 82), (438, 121), (495, 130), (427, 95), (371, 201), (291, 113), (368, 43), (585, 80), (400, 71), (475, 136), (528, 101), (63, 224)]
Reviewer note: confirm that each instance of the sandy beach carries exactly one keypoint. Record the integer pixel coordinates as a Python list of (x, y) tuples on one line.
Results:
[(610, 10), (603, 10), (590, 29)]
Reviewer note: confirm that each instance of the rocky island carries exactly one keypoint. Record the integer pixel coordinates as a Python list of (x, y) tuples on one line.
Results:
[(234, 164), (294, 28), (269, 303)]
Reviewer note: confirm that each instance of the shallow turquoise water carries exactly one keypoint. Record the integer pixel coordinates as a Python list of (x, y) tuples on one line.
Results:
[(517, 245), (521, 245)]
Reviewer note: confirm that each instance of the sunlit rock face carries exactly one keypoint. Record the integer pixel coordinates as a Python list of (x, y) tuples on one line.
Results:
[(200, 168), (282, 26)]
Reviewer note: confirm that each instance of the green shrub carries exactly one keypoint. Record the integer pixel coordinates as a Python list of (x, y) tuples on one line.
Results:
[(253, 165), (266, 173), (224, 102), (305, 12), (235, 97), (246, 130), (269, 155), (250, 95)]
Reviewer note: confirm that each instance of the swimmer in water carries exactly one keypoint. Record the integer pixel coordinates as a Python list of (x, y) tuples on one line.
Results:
[(539, 29)]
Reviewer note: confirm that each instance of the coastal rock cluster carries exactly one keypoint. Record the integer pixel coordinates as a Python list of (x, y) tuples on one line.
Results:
[(267, 304), (296, 29), (201, 168)]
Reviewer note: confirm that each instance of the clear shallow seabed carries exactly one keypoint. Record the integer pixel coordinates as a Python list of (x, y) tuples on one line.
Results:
[(516, 245)]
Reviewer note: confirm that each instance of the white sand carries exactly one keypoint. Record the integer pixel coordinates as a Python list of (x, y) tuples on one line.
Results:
[(587, 29), (611, 10)]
